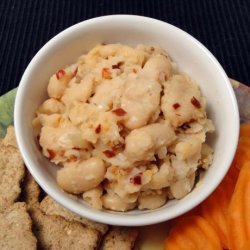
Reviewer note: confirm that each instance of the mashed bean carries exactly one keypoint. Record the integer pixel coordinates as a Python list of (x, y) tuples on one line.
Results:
[(127, 129)]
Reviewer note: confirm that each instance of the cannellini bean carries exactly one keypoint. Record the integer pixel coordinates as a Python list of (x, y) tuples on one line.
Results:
[(114, 202), (140, 100), (61, 138), (152, 201), (182, 101), (107, 92), (189, 148), (51, 106), (57, 86), (206, 156), (49, 120), (79, 91), (93, 197), (162, 178), (157, 67), (182, 187), (82, 176), (141, 143)]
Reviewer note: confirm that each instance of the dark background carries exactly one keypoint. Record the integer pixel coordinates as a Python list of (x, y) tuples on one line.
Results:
[(223, 26)]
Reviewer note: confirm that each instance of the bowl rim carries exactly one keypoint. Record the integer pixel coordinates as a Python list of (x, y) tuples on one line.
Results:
[(104, 217)]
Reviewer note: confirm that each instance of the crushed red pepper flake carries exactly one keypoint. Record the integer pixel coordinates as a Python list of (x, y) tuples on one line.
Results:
[(106, 73), (195, 102), (98, 129), (176, 105), (119, 112), (127, 170), (136, 179), (109, 153), (76, 148), (52, 154), (117, 66), (119, 146), (72, 158), (60, 73)]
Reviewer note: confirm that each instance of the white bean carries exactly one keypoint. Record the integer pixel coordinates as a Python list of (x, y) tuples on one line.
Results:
[(162, 178), (56, 87), (182, 187), (141, 143), (152, 201), (140, 99), (158, 67), (82, 176), (93, 197), (114, 202)]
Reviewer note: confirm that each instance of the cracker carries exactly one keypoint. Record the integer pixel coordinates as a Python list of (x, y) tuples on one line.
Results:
[(10, 138), (11, 174), (16, 229), (30, 190), (51, 207), (120, 238), (54, 232)]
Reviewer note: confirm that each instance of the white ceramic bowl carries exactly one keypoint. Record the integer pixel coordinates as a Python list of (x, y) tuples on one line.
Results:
[(189, 54)]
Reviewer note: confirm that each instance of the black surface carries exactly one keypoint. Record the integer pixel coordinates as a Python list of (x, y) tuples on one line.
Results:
[(223, 26)]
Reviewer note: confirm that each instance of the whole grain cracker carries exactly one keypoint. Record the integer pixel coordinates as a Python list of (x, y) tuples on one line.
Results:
[(30, 190), (16, 229), (120, 238), (10, 138), (51, 207), (11, 174), (54, 232)]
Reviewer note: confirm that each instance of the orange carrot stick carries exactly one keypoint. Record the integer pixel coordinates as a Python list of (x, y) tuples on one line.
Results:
[(238, 212), (192, 233)]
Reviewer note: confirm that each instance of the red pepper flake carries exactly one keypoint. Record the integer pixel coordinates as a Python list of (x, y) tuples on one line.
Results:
[(119, 112), (127, 170), (76, 148), (109, 153), (176, 105), (52, 154), (195, 102), (136, 179), (106, 73), (117, 66), (98, 129), (72, 158), (60, 73), (119, 146), (75, 72)]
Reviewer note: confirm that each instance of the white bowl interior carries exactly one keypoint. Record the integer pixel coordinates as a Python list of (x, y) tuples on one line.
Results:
[(190, 57)]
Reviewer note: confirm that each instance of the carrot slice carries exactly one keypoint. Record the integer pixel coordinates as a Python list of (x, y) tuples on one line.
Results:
[(238, 211), (246, 245), (192, 233), (214, 209), (195, 211), (242, 153), (245, 130)]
